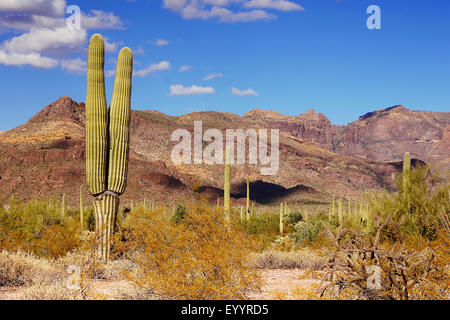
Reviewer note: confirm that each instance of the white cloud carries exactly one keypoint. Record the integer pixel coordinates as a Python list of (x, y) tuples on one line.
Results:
[(32, 59), (163, 65), (74, 65), (212, 76), (185, 68), (282, 5), (43, 31), (180, 90), (98, 19), (44, 40), (161, 42), (49, 8), (230, 10), (248, 92)]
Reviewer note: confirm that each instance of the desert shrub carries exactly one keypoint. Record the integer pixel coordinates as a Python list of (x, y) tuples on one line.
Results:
[(179, 214), (195, 259), (298, 259), (264, 228), (293, 218), (420, 202), (307, 231), (406, 272), (38, 226), (20, 268)]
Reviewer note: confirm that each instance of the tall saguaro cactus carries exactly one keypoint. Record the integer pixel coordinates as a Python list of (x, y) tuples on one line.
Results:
[(247, 208), (107, 139), (226, 187)]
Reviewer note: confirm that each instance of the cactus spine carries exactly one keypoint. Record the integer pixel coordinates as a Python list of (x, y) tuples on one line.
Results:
[(107, 139), (226, 187)]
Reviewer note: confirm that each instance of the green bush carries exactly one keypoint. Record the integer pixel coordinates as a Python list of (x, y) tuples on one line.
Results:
[(293, 218), (307, 231), (418, 205), (180, 213)]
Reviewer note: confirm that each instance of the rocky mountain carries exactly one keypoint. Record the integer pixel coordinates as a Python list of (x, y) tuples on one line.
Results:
[(383, 135), (45, 157)]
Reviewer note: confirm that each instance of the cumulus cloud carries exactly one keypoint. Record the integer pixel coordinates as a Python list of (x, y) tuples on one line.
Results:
[(161, 42), (32, 59), (226, 10), (49, 8), (282, 5), (43, 28), (74, 65), (180, 90), (44, 40), (185, 68), (163, 65), (212, 76), (248, 92)]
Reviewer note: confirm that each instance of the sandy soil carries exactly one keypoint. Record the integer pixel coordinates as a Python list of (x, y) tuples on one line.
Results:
[(277, 284)]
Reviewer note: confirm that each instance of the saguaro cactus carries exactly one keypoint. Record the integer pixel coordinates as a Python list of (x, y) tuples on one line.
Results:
[(107, 139), (81, 208), (406, 170), (63, 206), (247, 209), (281, 219), (226, 187), (340, 214)]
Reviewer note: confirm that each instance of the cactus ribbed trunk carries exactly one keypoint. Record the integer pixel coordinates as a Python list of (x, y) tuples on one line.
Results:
[(105, 212), (226, 187), (107, 139)]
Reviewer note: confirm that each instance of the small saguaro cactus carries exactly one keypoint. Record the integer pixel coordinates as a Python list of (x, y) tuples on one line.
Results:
[(63, 206), (406, 170), (81, 208), (107, 139), (281, 219), (226, 187), (340, 214), (247, 208)]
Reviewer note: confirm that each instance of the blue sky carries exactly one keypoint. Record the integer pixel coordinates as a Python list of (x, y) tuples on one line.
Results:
[(238, 55)]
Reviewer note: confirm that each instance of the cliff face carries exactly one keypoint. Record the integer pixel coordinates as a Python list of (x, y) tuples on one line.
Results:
[(311, 126), (385, 135), (45, 157)]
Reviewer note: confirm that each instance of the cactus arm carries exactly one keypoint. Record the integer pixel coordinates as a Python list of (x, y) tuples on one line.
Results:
[(119, 124), (96, 118)]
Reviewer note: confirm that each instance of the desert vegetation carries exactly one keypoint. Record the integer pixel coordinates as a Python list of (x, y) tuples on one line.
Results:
[(194, 250)]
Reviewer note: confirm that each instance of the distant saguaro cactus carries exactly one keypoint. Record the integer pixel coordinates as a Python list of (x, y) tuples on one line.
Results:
[(81, 208), (107, 139), (226, 187), (281, 219), (63, 206), (247, 208)]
